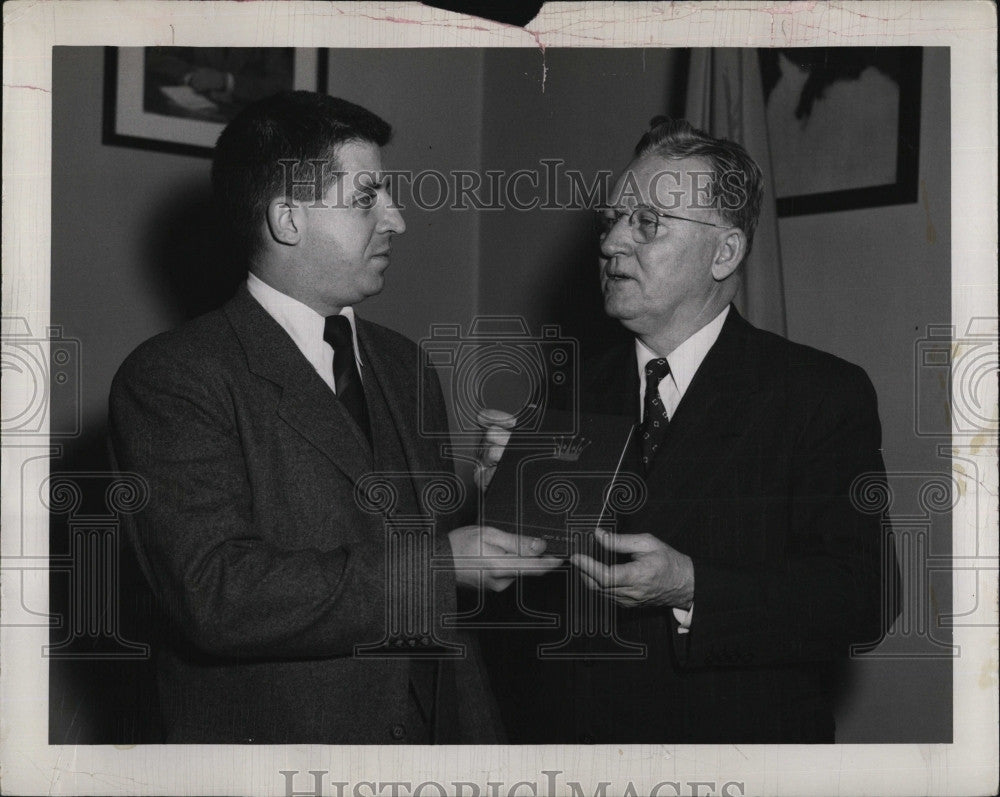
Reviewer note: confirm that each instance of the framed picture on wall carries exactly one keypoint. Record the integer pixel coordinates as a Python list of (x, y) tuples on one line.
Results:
[(844, 126), (178, 99)]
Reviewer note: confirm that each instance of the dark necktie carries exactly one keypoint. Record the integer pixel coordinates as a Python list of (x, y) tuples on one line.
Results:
[(654, 414), (337, 333)]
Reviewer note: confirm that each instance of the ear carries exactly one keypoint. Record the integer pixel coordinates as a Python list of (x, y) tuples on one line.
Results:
[(729, 253), (284, 222)]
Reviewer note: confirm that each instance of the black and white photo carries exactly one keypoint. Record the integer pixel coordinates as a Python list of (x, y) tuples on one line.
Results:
[(405, 403)]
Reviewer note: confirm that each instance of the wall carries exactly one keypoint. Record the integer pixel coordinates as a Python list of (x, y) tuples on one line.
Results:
[(113, 208), (434, 100), (865, 284), (588, 111)]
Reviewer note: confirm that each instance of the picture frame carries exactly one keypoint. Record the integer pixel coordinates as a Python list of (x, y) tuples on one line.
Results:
[(844, 127), (153, 99)]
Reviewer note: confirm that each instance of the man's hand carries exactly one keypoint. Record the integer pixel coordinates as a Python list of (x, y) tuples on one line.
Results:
[(497, 426), (485, 556), (658, 575)]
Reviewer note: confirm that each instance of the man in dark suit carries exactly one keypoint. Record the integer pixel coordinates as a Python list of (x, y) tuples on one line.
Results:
[(749, 571), (279, 440)]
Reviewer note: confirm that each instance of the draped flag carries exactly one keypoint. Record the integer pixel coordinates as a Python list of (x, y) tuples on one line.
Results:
[(725, 97)]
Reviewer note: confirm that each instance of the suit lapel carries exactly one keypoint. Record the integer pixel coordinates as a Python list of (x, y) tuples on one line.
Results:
[(714, 412), (307, 404), (398, 383), (713, 407)]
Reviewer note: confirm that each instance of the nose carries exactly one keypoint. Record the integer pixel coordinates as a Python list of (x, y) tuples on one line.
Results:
[(392, 219), (618, 241)]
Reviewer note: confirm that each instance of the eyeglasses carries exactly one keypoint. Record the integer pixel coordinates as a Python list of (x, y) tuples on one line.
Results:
[(644, 222)]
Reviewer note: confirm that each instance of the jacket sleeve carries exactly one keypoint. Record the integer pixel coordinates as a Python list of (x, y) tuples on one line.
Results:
[(227, 589), (834, 583)]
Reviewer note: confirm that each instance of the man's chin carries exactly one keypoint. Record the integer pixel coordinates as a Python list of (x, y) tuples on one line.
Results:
[(615, 308), (375, 285)]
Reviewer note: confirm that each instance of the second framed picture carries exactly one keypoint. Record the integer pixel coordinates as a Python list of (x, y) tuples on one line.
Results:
[(844, 126)]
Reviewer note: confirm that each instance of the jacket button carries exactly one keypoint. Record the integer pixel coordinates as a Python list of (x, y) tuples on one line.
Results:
[(398, 731), (586, 738)]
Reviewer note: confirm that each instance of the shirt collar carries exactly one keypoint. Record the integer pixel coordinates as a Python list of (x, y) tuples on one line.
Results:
[(685, 360), (303, 324)]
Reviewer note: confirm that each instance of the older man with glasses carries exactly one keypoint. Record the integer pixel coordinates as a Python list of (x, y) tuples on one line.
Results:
[(749, 571)]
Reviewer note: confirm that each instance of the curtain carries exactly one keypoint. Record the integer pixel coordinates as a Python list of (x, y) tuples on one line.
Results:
[(725, 97)]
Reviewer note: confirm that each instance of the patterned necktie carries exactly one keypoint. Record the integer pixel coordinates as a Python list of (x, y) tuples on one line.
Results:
[(337, 333), (654, 414)]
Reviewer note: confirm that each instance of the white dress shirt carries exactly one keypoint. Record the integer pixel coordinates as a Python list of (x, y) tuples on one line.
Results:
[(684, 362), (304, 325)]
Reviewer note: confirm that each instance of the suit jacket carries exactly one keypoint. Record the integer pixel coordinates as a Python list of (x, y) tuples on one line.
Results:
[(753, 482), (268, 570)]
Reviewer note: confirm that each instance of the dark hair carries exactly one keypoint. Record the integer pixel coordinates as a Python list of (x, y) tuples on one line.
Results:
[(737, 185), (299, 126)]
